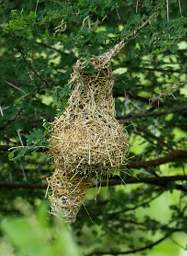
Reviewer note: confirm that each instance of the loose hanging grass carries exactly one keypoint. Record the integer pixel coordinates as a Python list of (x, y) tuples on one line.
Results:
[(87, 140)]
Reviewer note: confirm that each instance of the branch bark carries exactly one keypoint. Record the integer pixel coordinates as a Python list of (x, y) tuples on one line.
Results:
[(173, 156), (162, 181)]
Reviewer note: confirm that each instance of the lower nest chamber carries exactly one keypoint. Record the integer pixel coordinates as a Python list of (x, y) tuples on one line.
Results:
[(67, 194)]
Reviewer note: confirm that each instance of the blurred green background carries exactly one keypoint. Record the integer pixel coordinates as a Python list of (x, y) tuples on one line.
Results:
[(146, 212)]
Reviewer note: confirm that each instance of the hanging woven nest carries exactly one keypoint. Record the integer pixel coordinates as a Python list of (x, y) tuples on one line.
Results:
[(87, 140)]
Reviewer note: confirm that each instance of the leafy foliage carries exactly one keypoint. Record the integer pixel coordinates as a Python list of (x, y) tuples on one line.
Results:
[(40, 41), (33, 234)]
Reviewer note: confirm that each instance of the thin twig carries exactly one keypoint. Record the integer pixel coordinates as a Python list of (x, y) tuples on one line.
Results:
[(127, 209), (19, 136), (167, 9), (137, 4), (180, 8), (140, 249), (28, 147), (147, 21), (15, 86), (1, 111), (36, 8)]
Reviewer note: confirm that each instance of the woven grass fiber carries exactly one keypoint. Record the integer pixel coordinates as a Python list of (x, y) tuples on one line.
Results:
[(86, 141)]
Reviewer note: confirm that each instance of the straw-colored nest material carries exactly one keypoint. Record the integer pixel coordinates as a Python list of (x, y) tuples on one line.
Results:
[(67, 194), (86, 140), (91, 144)]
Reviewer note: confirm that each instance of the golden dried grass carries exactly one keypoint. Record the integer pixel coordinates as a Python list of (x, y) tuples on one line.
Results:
[(86, 140)]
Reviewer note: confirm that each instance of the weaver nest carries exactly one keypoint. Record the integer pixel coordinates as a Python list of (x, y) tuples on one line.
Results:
[(87, 140)]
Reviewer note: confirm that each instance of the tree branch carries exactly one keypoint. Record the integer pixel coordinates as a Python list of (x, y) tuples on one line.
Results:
[(173, 156), (131, 117), (117, 93), (162, 181), (15, 185), (178, 154), (49, 47), (155, 180), (155, 69), (140, 249)]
